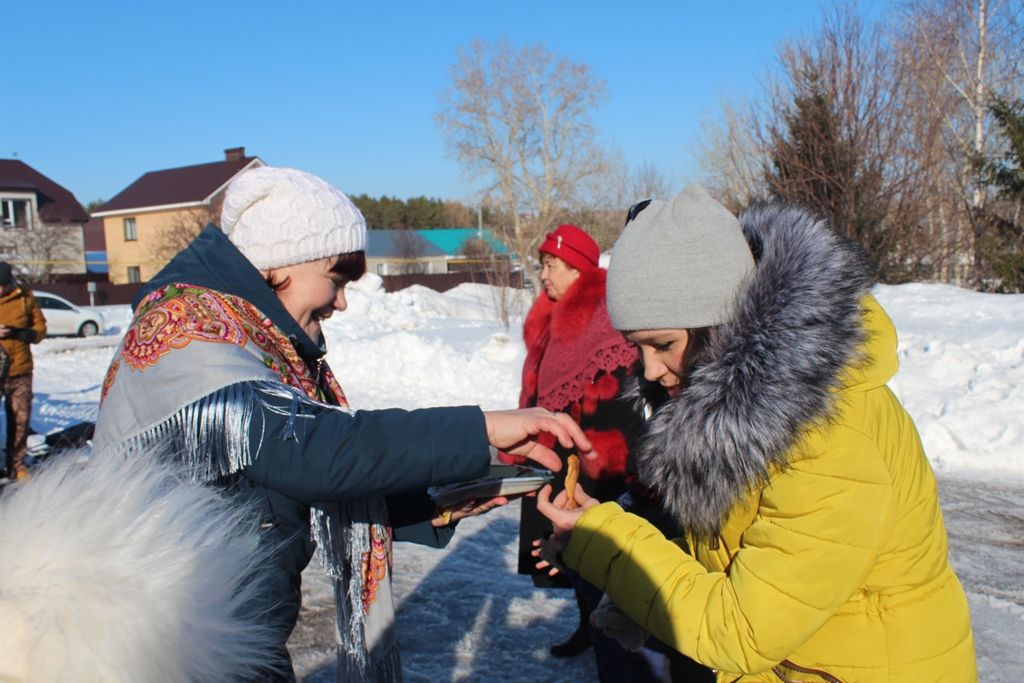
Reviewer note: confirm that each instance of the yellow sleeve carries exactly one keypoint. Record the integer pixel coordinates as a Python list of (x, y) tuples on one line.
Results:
[(808, 549)]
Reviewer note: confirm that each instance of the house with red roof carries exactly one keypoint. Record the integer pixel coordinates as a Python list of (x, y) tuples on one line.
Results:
[(40, 223), (146, 223)]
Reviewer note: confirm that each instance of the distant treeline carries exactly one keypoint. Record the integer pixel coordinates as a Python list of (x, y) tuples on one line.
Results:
[(416, 213)]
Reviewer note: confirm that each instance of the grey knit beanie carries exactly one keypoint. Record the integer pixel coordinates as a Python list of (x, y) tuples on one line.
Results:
[(281, 216), (679, 264)]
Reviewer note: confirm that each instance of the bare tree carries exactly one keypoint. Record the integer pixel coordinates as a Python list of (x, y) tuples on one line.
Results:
[(410, 246), (179, 231), (648, 182), (608, 195), (477, 253), (882, 130), (46, 249), (731, 156), (834, 135), (960, 52), (519, 119)]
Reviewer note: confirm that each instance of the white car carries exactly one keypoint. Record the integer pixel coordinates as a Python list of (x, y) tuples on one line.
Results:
[(65, 318)]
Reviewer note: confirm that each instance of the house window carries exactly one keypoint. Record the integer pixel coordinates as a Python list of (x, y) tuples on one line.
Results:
[(134, 275), (130, 233), (15, 213)]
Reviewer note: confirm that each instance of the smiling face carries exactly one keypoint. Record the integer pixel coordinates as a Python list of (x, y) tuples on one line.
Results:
[(556, 276), (310, 292), (663, 353)]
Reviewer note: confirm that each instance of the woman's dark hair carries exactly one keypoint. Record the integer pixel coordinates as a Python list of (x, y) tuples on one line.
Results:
[(697, 353), (350, 265), (697, 349)]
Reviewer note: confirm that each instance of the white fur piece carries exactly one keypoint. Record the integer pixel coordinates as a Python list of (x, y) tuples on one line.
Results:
[(608, 618), (114, 568)]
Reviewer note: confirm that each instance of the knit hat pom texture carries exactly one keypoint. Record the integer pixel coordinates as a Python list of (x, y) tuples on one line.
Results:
[(282, 216)]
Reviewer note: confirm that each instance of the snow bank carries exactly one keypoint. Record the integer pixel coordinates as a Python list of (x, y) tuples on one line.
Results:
[(961, 374)]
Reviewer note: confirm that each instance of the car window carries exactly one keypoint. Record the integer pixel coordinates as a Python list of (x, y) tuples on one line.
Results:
[(47, 302)]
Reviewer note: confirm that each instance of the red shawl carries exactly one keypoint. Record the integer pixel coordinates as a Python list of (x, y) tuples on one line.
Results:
[(568, 342)]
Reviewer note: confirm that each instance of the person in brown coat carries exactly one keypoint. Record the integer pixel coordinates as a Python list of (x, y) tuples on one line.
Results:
[(21, 324)]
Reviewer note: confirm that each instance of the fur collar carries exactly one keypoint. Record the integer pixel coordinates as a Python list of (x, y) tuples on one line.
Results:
[(564, 320), (770, 373)]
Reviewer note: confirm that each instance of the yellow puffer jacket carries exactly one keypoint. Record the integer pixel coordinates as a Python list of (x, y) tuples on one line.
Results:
[(19, 310), (819, 551), (835, 570)]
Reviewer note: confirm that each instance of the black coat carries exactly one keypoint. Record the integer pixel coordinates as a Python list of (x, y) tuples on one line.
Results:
[(561, 328)]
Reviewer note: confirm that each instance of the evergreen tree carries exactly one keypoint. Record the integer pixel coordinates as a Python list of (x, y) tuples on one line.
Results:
[(1001, 249), (814, 163), (416, 213)]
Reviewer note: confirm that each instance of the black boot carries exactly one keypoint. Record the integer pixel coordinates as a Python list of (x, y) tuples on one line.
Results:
[(575, 645), (579, 641)]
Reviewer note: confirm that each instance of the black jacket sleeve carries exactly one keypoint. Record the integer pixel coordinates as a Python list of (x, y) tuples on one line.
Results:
[(311, 452), (410, 515), (25, 334)]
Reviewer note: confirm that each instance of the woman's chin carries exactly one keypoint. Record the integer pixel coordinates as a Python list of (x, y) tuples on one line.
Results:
[(313, 329)]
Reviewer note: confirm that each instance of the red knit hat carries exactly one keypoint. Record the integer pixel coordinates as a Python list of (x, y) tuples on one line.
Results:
[(573, 246)]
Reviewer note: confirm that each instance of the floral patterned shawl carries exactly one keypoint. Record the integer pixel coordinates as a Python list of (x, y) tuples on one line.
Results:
[(188, 373)]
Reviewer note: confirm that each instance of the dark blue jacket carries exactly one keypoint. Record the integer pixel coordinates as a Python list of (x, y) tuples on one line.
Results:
[(396, 454)]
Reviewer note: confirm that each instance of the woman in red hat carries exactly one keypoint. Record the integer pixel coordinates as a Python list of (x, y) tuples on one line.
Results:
[(576, 363)]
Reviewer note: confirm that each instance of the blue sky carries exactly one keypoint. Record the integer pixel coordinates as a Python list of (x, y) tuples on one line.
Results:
[(100, 92)]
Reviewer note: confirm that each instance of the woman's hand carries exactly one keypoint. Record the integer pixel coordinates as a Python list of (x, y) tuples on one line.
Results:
[(467, 508), (563, 521), (516, 432), (548, 551), (548, 556)]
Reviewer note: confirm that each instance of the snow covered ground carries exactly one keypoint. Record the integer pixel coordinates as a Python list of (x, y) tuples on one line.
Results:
[(464, 615)]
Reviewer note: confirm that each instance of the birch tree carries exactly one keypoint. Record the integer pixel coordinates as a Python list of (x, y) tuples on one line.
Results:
[(519, 120), (961, 52)]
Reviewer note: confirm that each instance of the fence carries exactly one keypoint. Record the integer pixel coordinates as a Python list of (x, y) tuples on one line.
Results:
[(76, 290), (442, 282), (106, 294)]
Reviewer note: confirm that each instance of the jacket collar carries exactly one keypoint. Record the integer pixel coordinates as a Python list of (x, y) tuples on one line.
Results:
[(12, 295), (795, 341), (213, 261), (566, 319)]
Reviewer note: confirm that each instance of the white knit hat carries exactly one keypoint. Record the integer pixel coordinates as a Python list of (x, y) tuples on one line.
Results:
[(281, 216)]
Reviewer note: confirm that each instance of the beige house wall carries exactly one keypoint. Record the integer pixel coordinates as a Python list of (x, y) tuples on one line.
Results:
[(144, 252), (399, 266)]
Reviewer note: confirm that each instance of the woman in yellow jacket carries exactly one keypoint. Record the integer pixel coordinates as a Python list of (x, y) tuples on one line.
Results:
[(816, 548)]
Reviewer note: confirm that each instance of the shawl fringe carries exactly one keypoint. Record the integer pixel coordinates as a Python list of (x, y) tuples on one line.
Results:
[(219, 434)]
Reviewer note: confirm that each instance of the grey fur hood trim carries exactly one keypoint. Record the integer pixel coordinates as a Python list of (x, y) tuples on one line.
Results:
[(769, 372)]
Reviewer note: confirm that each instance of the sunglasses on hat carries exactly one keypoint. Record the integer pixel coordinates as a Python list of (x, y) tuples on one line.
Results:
[(635, 210)]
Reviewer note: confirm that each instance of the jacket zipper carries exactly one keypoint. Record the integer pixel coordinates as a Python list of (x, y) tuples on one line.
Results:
[(780, 671)]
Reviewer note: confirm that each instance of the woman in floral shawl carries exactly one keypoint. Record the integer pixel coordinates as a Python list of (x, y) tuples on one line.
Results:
[(223, 369)]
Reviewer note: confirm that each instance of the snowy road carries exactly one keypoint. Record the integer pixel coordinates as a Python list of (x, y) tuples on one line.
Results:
[(985, 523), (465, 616)]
